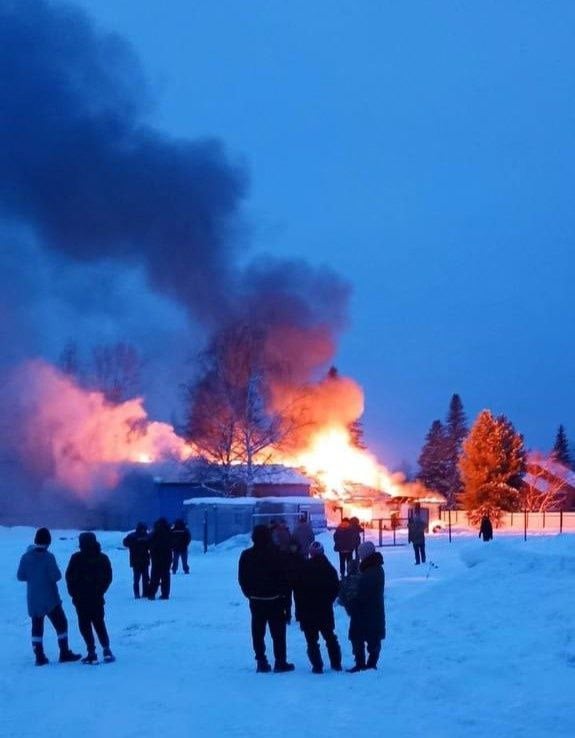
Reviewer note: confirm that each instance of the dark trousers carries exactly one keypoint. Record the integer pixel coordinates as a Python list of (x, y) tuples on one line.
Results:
[(58, 620), (331, 643), (160, 578), (345, 558), (373, 651), (270, 613), (183, 555), (92, 616), (141, 572), (419, 549)]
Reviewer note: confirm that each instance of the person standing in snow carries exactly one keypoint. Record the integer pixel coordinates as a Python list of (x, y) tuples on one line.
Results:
[(88, 576), (292, 561), (161, 555), (138, 543), (366, 609), (38, 568), (486, 529), (262, 578), (346, 539), (416, 535), (315, 592), (304, 535), (281, 536), (181, 538)]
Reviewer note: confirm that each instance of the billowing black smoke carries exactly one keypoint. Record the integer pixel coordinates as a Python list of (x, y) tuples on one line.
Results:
[(111, 230)]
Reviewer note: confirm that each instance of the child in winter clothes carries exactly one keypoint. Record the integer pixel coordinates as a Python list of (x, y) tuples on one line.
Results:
[(88, 576), (38, 568)]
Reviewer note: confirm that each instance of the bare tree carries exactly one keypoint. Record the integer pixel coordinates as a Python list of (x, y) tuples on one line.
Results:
[(116, 371), (544, 485), (230, 420)]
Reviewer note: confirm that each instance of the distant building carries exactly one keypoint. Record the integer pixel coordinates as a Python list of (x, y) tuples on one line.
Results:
[(551, 481)]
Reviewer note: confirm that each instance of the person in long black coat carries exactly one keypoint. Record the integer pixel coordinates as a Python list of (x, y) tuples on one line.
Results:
[(181, 539), (263, 580), (486, 528), (315, 592), (138, 543), (88, 576), (366, 609), (161, 556)]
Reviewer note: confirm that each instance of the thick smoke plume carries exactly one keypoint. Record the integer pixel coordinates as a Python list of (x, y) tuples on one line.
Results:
[(113, 230)]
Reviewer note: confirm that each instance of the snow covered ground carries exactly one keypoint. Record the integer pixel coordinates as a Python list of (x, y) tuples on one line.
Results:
[(483, 645)]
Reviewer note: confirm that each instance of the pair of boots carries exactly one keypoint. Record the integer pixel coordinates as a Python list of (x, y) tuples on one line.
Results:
[(264, 667), (92, 657), (66, 655)]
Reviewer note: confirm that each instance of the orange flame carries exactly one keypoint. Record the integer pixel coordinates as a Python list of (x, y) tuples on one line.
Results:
[(83, 440)]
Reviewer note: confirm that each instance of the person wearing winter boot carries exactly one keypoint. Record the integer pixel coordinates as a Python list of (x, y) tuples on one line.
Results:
[(88, 576), (315, 592), (38, 568), (181, 539), (138, 543), (366, 608), (416, 534), (262, 578), (161, 555)]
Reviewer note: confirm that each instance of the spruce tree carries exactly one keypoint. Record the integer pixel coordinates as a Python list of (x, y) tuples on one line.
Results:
[(560, 451), (432, 459), (455, 432), (492, 464)]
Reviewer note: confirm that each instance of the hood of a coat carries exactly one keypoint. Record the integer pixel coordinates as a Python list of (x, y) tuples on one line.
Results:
[(376, 559)]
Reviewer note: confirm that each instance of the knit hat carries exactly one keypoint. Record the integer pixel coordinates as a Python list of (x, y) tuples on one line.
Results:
[(315, 549), (42, 537), (365, 549)]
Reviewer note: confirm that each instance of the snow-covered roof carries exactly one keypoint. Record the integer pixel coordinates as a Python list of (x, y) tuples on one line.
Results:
[(552, 467), (253, 500)]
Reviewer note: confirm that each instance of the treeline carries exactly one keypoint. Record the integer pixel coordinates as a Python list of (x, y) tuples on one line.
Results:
[(481, 469)]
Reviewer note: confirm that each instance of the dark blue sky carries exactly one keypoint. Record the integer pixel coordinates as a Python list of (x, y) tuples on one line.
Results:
[(426, 151)]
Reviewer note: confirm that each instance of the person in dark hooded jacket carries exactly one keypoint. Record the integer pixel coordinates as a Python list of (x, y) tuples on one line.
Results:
[(181, 539), (366, 608), (38, 568), (161, 555), (315, 592), (88, 576), (138, 543), (262, 578), (486, 528)]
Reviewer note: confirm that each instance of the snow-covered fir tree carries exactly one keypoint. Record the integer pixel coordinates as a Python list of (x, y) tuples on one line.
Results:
[(491, 465)]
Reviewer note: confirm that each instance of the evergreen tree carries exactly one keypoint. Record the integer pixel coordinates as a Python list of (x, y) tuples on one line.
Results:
[(455, 432), (560, 451), (432, 459), (491, 465)]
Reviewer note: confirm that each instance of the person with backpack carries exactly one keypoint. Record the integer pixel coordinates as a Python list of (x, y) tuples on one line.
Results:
[(88, 576), (138, 544), (38, 568), (181, 539), (366, 609), (316, 589)]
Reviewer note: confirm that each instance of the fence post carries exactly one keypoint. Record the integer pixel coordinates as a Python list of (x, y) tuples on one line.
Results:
[(394, 529), (543, 518), (380, 521), (205, 531), (449, 523), (525, 525), (561, 520)]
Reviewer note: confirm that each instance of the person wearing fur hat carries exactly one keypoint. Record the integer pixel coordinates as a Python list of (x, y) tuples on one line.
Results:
[(315, 592), (262, 578), (366, 608), (38, 568), (88, 576)]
